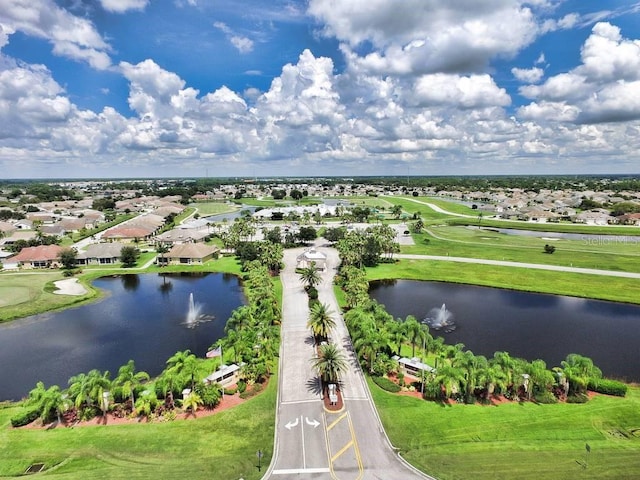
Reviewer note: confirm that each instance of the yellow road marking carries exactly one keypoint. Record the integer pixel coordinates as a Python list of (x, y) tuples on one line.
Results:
[(336, 421), (356, 449), (342, 450)]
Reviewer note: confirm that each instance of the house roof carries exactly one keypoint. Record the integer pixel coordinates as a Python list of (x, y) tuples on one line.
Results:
[(102, 250), (191, 250), (39, 253), (127, 232), (181, 235)]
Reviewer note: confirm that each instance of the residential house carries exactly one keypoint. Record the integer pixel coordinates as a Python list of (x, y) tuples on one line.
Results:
[(16, 236), (42, 256), (188, 254), (181, 235), (100, 254), (127, 234)]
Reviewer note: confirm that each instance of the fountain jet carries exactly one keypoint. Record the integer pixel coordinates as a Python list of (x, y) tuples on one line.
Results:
[(439, 318)]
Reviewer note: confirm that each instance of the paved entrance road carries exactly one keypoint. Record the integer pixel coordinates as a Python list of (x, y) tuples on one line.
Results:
[(312, 443)]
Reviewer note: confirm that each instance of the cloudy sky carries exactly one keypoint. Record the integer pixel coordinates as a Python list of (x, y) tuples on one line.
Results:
[(159, 88)]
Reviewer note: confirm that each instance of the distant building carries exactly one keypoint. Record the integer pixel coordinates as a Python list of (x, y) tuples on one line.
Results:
[(312, 257)]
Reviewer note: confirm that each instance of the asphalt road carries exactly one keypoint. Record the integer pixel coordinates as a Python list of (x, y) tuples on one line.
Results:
[(312, 443)]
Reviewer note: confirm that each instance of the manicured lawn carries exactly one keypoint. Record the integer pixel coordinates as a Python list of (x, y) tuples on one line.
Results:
[(28, 293), (222, 446), (205, 209), (543, 281), (523, 441), (473, 243)]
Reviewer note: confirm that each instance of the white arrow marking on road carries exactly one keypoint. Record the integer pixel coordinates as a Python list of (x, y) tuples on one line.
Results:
[(314, 423), (290, 425)]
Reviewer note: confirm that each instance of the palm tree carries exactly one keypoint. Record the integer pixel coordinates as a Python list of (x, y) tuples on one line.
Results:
[(320, 321), (79, 390), (507, 364), (449, 378), (398, 333), (161, 249), (128, 380), (192, 402), (185, 366), (492, 377), (99, 385), (310, 276), (146, 403), (48, 401), (578, 370), (417, 333), (330, 363)]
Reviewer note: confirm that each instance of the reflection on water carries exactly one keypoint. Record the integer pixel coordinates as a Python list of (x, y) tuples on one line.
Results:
[(140, 319), (527, 325)]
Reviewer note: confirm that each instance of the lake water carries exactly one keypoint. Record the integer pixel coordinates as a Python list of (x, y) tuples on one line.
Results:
[(527, 325), (142, 318)]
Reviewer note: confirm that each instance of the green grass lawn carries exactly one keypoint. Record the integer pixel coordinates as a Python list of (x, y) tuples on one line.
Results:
[(29, 293), (543, 281), (474, 243), (222, 446), (206, 209), (523, 441)]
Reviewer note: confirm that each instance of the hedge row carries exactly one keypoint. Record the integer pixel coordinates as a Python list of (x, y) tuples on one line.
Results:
[(24, 418), (386, 384), (608, 387)]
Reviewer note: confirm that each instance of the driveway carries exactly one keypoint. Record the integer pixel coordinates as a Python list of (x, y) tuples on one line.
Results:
[(310, 441)]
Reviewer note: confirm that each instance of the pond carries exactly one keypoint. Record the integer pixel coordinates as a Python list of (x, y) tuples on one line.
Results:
[(526, 325), (143, 318)]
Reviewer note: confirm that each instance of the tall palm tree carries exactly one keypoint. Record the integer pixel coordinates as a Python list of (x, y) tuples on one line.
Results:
[(99, 384), (417, 333), (79, 391), (507, 364), (128, 380), (185, 366), (330, 363), (321, 321), (450, 379)]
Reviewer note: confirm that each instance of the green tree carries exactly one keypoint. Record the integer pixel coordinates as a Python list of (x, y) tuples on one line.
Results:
[(146, 403), (330, 363), (578, 371), (128, 381), (128, 256), (48, 401), (396, 211), (310, 276), (68, 258), (321, 321), (191, 402)]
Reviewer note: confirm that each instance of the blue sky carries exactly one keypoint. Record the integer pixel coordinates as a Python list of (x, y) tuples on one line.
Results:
[(155, 88)]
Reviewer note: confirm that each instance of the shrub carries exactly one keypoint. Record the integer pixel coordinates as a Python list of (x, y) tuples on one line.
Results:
[(386, 384), (545, 397), (577, 398), (230, 391), (24, 418), (608, 387), (254, 390), (312, 292), (242, 386)]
